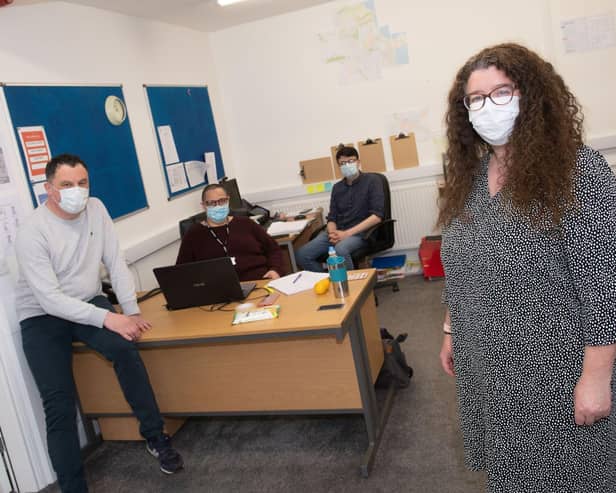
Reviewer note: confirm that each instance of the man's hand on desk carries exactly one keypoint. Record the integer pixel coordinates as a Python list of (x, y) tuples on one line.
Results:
[(271, 274), (129, 327)]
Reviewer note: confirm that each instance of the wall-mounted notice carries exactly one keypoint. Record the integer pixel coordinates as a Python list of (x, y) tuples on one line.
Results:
[(195, 170), (4, 172), (176, 177), (36, 150), (9, 222), (589, 33), (167, 143), (210, 163), (39, 192)]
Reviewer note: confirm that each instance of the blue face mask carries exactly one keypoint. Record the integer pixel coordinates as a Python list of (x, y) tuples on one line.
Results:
[(348, 170), (218, 213)]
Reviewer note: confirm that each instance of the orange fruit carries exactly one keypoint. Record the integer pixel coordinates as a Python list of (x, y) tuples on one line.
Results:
[(322, 286)]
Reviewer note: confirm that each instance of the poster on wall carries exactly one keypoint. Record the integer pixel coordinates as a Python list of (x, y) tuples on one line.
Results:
[(9, 222), (35, 147), (4, 171)]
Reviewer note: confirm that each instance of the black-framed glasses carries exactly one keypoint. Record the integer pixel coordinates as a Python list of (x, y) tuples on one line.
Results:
[(350, 161), (214, 203), (499, 95)]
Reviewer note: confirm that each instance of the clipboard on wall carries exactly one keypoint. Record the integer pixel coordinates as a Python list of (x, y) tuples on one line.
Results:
[(404, 151), (371, 155), (333, 151), (316, 170)]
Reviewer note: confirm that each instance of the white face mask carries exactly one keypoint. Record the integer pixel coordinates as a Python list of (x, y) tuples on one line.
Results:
[(73, 200), (494, 123)]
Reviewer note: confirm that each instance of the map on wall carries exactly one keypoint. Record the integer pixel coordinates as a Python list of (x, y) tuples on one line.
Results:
[(360, 46)]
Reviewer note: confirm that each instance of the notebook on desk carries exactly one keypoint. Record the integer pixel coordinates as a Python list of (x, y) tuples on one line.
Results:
[(201, 283)]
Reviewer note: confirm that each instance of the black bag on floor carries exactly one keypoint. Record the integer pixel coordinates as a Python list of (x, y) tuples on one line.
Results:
[(395, 368)]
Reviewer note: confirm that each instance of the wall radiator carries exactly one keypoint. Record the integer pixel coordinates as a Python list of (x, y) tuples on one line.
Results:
[(414, 207)]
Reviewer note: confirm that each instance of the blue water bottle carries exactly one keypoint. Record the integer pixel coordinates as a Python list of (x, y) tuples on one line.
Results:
[(337, 273)]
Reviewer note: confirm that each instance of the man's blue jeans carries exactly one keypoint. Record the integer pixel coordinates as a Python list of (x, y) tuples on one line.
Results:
[(307, 255), (48, 345)]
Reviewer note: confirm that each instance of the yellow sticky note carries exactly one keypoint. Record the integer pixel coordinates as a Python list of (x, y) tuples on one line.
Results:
[(311, 189), (320, 187)]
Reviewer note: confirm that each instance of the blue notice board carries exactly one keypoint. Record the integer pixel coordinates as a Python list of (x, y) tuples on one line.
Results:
[(187, 112), (74, 121)]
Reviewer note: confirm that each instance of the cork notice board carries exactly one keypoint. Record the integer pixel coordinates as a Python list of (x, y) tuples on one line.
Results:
[(404, 151), (334, 150), (372, 156), (316, 170)]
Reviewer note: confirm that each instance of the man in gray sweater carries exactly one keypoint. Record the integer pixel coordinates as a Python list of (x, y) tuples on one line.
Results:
[(59, 300)]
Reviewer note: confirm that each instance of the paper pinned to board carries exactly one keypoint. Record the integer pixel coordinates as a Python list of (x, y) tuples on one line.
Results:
[(210, 166), (297, 282), (196, 172), (167, 144), (176, 177)]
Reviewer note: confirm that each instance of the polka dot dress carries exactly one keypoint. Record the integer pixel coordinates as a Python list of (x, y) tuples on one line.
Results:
[(524, 303)]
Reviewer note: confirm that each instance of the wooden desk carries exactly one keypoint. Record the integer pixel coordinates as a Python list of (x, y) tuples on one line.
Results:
[(291, 243), (305, 362)]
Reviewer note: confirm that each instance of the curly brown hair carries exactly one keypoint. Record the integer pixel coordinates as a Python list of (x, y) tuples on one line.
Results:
[(541, 151)]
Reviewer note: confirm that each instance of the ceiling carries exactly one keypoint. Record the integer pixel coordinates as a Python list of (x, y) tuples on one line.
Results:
[(202, 15)]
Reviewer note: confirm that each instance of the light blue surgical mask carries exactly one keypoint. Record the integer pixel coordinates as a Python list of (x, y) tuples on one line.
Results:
[(349, 170), (218, 213), (73, 200)]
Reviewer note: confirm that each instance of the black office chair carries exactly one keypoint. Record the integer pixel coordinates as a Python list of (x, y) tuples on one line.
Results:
[(185, 224), (380, 237)]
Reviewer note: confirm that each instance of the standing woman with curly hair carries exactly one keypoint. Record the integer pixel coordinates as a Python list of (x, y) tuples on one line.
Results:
[(529, 250)]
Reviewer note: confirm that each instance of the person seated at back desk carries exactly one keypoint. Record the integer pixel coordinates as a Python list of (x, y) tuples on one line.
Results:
[(254, 253), (357, 204)]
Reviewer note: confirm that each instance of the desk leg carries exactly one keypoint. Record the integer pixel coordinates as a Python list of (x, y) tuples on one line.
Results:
[(292, 257), (375, 423)]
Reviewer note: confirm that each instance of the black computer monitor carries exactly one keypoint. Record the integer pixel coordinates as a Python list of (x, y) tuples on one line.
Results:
[(235, 199)]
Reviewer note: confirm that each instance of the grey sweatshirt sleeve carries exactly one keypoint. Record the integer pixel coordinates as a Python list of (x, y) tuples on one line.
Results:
[(33, 257), (121, 277)]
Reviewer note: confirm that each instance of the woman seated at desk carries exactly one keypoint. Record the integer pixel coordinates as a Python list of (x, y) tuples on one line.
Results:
[(254, 253)]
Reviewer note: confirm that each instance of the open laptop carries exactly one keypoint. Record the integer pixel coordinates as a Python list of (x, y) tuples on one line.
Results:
[(201, 283)]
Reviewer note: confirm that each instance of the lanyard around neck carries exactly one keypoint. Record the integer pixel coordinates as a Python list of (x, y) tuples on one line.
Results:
[(223, 245)]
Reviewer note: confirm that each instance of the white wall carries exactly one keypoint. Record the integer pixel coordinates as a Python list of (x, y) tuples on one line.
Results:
[(56, 42), (285, 105)]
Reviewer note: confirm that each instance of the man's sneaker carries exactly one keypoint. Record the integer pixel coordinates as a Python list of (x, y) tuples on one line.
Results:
[(169, 458)]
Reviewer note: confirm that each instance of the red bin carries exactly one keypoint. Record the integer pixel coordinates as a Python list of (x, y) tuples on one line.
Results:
[(430, 257)]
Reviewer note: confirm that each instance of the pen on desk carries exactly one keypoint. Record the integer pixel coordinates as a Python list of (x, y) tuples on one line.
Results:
[(296, 279)]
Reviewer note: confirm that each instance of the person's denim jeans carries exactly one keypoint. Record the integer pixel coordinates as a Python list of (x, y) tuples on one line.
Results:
[(307, 255), (47, 343)]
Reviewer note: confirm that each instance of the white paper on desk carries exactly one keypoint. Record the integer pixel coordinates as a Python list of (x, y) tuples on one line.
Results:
[(304, 281), (167, 143), (210, 163), (281, 228), (196, 172)]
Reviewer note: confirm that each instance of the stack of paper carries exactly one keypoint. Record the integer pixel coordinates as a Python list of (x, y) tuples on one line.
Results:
[(283, 228), (297, 282)]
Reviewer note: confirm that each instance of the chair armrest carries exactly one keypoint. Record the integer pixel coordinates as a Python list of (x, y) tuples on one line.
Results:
[(367, 235)]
